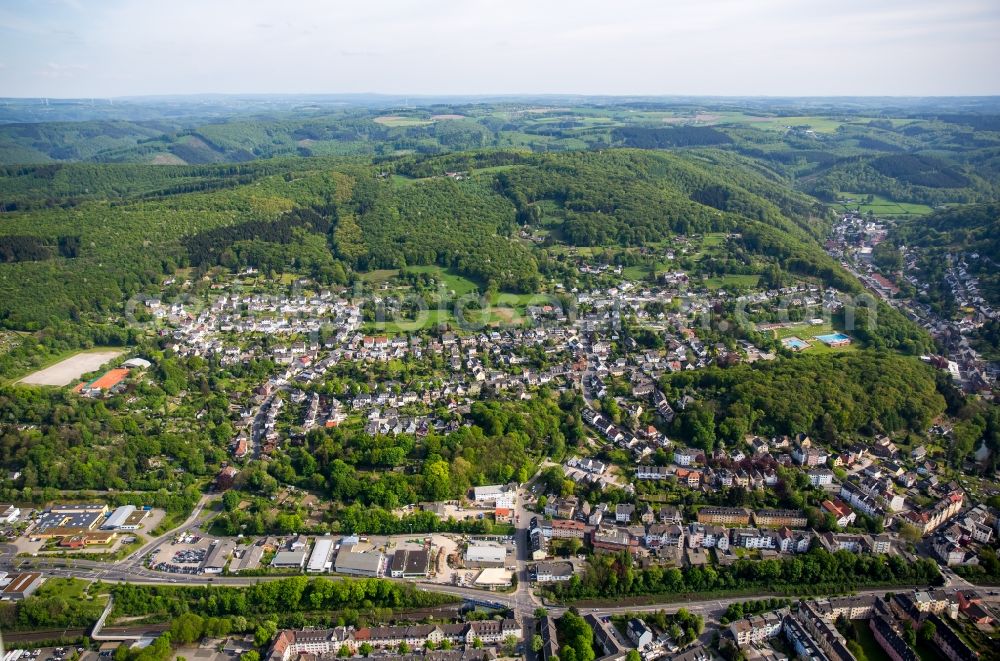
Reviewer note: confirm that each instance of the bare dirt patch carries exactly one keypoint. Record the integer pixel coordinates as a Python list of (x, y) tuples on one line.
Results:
[(66, 371), (442, 117), (167, 159)]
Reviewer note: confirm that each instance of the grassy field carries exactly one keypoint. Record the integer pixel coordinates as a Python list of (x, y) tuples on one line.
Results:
[(454, 282), (732, 280), (497, 316), (882, 206), (379, 275), (67, 588), (865, 637), (636, 272), (505, 309)]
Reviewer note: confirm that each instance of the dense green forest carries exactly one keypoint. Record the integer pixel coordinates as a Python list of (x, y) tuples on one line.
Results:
[(827, 396)]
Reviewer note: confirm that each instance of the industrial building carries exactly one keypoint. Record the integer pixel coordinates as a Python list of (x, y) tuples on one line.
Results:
[(485, 554), (322, 553), (119, 518), (409, 564), (354, 559), (289, 559), (21, 586)]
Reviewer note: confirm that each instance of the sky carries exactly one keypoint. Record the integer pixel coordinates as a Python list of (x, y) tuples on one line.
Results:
[(108, 48)]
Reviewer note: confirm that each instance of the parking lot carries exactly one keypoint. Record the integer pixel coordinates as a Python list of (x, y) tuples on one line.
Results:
[(48, 653), (182, 556)]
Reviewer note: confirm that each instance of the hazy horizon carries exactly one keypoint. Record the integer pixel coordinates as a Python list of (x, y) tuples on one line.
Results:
[(718, 48)]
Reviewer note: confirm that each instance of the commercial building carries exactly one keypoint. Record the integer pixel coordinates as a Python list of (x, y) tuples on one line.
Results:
[(550, 572), (246, 558), (320, 559), (218, 556), (356, 560), (493, 578), (289, 559), (21, 586), (123, 519), (9, 513), (500, 495), (68, 520), (485, 554), (409, 563)]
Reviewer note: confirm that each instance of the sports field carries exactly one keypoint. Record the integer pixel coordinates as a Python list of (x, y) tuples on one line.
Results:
[(66, 371)]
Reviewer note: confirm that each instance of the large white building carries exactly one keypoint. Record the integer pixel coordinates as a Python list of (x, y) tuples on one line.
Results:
[(485, 554), (322, 552), (498, 494), (9, 513), (118, 519)]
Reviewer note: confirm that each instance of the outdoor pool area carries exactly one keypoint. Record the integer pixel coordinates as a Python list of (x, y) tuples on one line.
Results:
[(795, 343), (834, 339)]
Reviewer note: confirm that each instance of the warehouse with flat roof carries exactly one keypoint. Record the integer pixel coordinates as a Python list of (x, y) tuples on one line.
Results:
[(485, 554), (351, 560), (407, 563), (118, 518), (21, 586), (320, 560), (289, 559)]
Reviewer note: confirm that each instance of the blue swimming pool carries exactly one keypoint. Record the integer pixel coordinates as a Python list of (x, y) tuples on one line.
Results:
[(795, 343), (834, 338)]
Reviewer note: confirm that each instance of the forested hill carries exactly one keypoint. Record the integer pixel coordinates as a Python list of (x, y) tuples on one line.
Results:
[(918, 178), (77, 240)]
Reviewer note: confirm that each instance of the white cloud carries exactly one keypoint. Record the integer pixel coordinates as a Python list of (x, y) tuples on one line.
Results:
[(56, 70), (764, 47)]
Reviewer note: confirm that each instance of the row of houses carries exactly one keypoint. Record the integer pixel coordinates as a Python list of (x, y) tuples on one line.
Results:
[(695, 535), (291, 644), (741, 516)]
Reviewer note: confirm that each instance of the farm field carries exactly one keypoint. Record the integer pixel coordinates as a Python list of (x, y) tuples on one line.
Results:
[(70, 369), (399, 121), (881, 206), (818, 124)]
